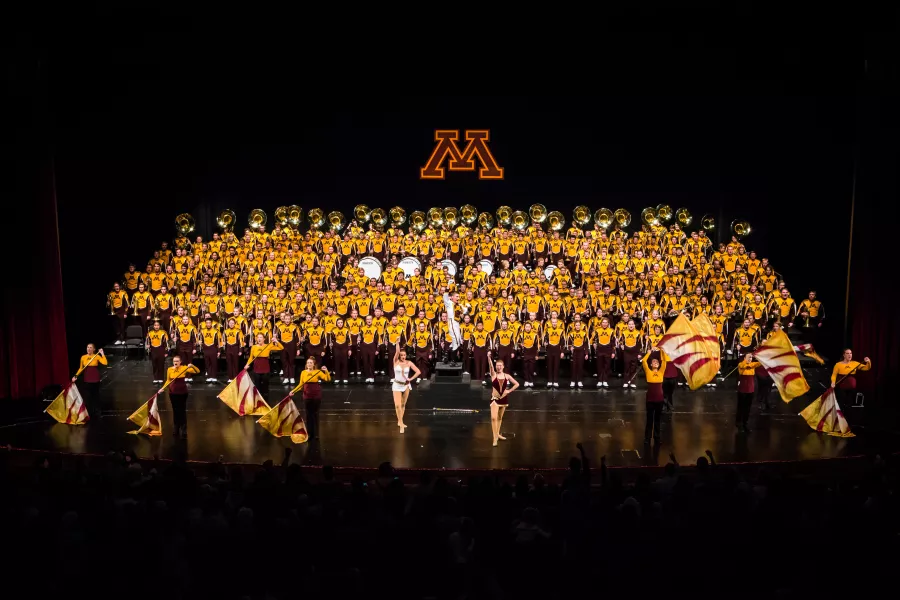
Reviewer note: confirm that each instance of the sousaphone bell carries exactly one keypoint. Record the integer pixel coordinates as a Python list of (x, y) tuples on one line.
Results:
[(379, 217), (581, 215), (362, 213), (486, 221), (622, 218), (538, 213), (664, 213), (741, 228), (451, 217), (556, 221), (226, 220), (417, 221), (295, 215), (316, 218), (185, 224), (281, 215), (435, 217), (504, 215), (257, 219), (519, 220), (468, 214), (398, 216), (708, 222), (336, 221), (603, 217), (683, 217)]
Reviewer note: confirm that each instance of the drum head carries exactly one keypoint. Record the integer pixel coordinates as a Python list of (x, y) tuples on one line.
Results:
[(409, 265), (548, 271), (371, 266), (486, 266), (451, 266)]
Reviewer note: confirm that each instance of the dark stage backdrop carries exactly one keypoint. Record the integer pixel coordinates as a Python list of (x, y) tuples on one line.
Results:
[(783, 163)]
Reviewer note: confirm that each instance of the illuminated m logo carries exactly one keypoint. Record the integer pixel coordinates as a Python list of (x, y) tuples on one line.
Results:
[(446, 148)]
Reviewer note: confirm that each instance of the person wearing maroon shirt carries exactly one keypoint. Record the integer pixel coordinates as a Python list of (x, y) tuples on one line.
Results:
[(653, 371), (310, 383), (178, 393), (745, 392), (89, 369)]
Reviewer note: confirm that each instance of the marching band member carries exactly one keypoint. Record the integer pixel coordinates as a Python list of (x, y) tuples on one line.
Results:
[(234, 339), (211, 342), (578, 341), (341, 350), (310, 382), (554, 338), (604, 351), (746, 388), (157, 344), (629, 344), (368, 348), (843, 376), (178, 393), (117, 302), (481, 340), (654, 372), (185, 336), (288, 334), (89, 370), (260, 353)]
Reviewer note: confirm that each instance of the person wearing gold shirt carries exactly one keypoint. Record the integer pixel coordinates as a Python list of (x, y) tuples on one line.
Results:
[(578, 339), (211, 342), (604, 351), (481, 343), (157, 344), (233, 337), (629, 342), (530, 343), (89, 369), (142, 304), (314, 336), (843, 377), (163, 302), (178, 393), (287, 333), (186, 340), (654, 371), (423, 343), (368, 348), (117, 302), (259, 359), (310, 383), (745, 392), (554, 338), (504, 344), (341, 350)]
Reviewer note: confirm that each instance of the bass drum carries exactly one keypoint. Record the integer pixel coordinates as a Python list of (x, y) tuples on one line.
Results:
[(451, 266), (371, 266), (409, 265), (486, 266), (549, 271)]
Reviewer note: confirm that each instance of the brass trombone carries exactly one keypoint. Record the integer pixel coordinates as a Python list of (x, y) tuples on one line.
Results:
[(316, 218), (741, 228), (684, 217), (581, 215), (468, 214), (379, 217), (185, 224), (504, 215), (435, 217), (398, 216), (603, 217), (556, 220), (257, 218), (417, 221), (226, 220), (519, 220), (451, 217), (708, 222), (336, 221), (486, 220), (664, 213), (362, 213), (538, 213)]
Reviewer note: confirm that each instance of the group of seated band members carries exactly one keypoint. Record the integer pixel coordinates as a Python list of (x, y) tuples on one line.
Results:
[(593, 298)]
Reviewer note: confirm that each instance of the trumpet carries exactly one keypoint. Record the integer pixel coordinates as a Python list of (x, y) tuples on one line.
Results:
[(336, 221), (417, 221), (398, 216), (708, 222), (362, 213), (556, 220), (226, 220), (486, 220), (316, 218), (379, 217), (257, 218), (538, 213), (519, 221), (741, 228), (664, 213), (185, 224), (684, 217), (435, 218), (451, 217), (468, 214), (603, 217), (295, 215), (581, 215), (504, 215)]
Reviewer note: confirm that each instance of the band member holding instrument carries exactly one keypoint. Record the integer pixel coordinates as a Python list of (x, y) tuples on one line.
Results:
[(178, 393), (843, 376), (186, 338), (89, 367), (341, 350), (530, 344), (157, 344), (554, 338), (604, 351), (259, 360), (211, 343), (578, 341), (629, 343), (502, 385), (400, 384), (654, 372), (234, 337), (142, 304), (310, 382), (746, 388), (288, 334), (481, 340), (424, 347), (117, 302)]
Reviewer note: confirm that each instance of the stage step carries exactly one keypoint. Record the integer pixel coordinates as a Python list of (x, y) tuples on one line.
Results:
[(450, 373)]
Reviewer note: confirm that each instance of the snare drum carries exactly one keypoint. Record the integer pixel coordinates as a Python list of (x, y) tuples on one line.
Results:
[(409, 265), (486, 266), (371, 266), (451, 266)]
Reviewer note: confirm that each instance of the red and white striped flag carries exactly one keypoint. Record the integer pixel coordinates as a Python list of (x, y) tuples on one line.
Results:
[(242, 397), (777, 355), (825, 416), (68, 407), (694, 348), (147, 418), (808, 350)]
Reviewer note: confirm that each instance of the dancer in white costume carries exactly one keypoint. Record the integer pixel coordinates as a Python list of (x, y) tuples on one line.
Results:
[(400, 385)]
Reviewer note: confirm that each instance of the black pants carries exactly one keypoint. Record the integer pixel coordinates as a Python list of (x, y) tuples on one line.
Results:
[(845, 397), (261, 381), (654, 413), (763, 387), (179, 410), (744, 401), (312, 406), (669, 385), (92, 399)]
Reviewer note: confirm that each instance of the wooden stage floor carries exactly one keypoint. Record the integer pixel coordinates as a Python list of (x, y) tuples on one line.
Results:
[(448, 427)]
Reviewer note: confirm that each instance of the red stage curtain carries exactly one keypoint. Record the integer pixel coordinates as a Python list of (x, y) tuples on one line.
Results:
[(33, 334), (874, 319)]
